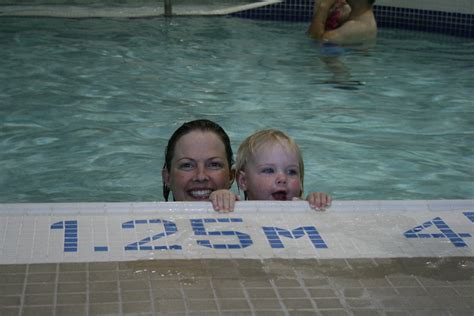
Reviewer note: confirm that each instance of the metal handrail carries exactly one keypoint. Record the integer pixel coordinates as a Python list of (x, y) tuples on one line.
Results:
[(168, 10)]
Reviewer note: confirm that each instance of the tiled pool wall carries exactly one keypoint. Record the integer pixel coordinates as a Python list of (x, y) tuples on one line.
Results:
[(454, 17), (92, 232), (362, 258)]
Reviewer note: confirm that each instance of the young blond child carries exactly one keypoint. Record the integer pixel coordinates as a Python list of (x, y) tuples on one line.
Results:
[(269, 166)]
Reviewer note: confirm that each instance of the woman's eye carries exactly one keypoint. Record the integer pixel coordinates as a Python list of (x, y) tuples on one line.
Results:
[(216, 165), (185, 166)]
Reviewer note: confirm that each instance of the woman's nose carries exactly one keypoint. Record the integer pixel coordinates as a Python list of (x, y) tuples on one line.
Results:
[(201, 174)]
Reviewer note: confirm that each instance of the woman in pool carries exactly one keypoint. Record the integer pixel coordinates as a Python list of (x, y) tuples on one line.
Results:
[(270, 167), (198, 162)]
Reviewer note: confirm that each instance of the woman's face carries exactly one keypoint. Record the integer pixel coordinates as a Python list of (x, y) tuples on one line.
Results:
[(199, 166)]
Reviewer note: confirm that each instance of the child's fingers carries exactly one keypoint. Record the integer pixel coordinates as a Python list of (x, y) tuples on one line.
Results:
[(319, 200), (226, 203), (223, 201)]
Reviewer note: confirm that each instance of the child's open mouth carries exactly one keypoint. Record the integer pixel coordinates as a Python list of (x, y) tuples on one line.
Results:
[(279, 195)]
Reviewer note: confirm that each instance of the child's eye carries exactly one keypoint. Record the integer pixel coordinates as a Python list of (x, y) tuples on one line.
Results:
[(292, 172), (267, 170)]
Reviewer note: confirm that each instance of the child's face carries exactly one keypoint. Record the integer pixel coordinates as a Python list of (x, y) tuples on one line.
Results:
[(272, 174)]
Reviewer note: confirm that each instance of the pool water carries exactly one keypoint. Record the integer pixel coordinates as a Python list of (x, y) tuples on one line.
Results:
[(87, 106)]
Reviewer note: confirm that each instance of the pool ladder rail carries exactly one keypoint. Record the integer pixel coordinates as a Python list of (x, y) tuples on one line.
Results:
[(168, 9), (98, 11)]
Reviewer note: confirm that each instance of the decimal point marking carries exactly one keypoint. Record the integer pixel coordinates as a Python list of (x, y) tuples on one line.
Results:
[(101, 248)]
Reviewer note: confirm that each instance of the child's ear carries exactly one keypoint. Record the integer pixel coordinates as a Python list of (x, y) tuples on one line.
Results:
[(241, 180), (231, 176)]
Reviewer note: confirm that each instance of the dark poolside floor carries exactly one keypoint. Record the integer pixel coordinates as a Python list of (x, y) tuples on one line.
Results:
[(398, 286)]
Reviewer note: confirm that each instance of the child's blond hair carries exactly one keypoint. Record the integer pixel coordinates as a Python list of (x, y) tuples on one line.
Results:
[(253, 143)]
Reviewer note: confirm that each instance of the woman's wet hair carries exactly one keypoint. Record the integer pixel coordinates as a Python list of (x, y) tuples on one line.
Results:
[(196, 125)]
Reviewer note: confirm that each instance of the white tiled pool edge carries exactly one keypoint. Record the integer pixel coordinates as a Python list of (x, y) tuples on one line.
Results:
[(102, 208), (94, 232)]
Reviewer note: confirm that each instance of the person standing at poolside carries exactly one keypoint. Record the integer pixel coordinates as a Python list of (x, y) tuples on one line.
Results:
[(198, 165), (359, 28)]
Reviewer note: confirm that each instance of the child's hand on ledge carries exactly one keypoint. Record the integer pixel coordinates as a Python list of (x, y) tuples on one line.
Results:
[(223, 201), (319, 200)]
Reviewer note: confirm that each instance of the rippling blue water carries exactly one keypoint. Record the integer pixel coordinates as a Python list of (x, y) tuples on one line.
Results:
[(86, 106)]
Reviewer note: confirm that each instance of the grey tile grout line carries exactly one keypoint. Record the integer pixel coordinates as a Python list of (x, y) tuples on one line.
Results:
[(247, 297), (183, 295), (299, 278), (87, 290), (23, 294), (4, 236), (280, 300), (55, 293), (215, 298), (26, 275), (119, 289), (151, 293)]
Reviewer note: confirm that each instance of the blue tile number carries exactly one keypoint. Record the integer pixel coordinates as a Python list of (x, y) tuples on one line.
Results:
[(200, 230), (70, 234), (273, 236), (143, 244), (469, 215), (444, 232), (200, 227)]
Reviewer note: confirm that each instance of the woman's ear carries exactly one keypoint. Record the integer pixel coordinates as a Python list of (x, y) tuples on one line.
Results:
[(241, 180), (165, 176)]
